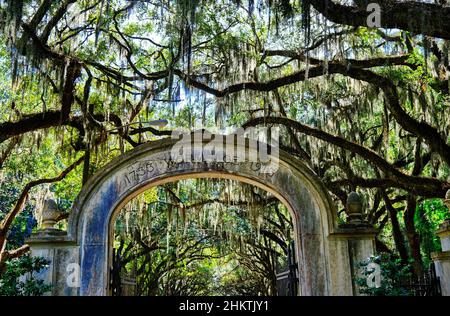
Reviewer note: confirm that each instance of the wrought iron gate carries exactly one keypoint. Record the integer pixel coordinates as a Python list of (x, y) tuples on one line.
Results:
[(427, 285), (120, 284), (115, 278), (287, 280)]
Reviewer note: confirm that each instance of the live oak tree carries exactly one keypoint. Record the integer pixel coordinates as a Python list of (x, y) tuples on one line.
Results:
[(197, 237), (366, 108)]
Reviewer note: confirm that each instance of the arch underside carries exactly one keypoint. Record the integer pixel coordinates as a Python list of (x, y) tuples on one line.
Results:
[(151, 165)]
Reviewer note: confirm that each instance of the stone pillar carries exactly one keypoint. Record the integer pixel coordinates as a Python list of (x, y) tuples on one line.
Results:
[(356, 244), (353, 243), (63, 257), (61, 253), (442, 259)]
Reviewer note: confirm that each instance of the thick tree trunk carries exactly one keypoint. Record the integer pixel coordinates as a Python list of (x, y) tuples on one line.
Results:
[(396, 230), (2, 253), (398, 237), (415, 16), (413, 236)]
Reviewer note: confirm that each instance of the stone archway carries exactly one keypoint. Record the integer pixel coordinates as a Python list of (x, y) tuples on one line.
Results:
[(326, 252)]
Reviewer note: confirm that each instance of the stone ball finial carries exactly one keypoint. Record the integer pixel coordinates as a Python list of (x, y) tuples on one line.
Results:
[(354, 207), (354, 197), (50, 214)]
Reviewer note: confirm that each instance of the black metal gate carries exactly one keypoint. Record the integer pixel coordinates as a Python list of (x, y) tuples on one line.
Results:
[(120, 284), (428, 284), (287, 280), (115, 275)]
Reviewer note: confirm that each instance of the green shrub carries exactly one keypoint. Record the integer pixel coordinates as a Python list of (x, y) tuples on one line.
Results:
[(393, 274), (19, 279)]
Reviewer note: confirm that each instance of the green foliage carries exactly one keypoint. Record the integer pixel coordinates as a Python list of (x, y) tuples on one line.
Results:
[(240, 282), (24, 223), (127, 46), (20, 279), (198, 237), (393, 274), (192, 280), (429, 215)]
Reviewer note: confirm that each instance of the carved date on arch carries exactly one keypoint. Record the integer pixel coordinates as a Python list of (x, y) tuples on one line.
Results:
[(142, 170)]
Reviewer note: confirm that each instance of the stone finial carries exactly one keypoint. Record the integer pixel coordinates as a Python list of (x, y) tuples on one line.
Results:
[(354, 208), (50, 214)]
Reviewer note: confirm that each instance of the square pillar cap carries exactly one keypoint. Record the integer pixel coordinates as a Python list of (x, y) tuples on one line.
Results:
[(49, 236)]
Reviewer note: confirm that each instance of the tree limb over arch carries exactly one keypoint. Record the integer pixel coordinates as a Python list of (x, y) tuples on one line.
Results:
[(357, 69), (417, 17), (427, 187), (318, 70)]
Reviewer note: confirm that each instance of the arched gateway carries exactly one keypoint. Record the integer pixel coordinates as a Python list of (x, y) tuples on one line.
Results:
[(326, 252)]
